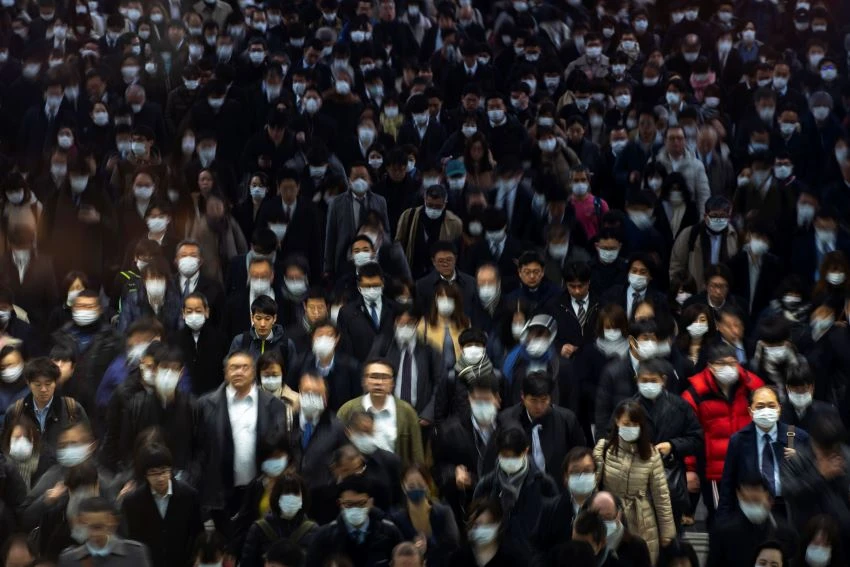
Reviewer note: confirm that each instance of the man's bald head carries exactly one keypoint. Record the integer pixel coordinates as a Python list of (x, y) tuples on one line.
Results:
[(605, 504)]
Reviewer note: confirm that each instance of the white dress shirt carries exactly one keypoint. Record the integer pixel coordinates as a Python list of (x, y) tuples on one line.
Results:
[(386, 426), (243, 425), (630, 291), (162, 501), (193, 282)]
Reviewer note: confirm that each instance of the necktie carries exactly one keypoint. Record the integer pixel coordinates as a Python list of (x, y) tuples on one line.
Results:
[(582, 313), (537, 448), (186, 289), (306, 435), (767, 464), (287, 214), (635, 301), (742, 355), (406, 378), (448, 348), (373, 312), (494, 250)]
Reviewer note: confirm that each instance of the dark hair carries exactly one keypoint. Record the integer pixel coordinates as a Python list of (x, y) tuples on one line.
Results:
[(577, 454), (152, 456), (577, 272), (537, 384), (289, 483), (614, 313), (799, 375), (41, 367), (635, 412), (97, 505), (147, 325), (287, 553), (84, 474), (209, 546), (512, 439), (370, 270), (379, 360), (676, 550), (482, 505), (590, 523), (826, 525), (774, 329), (264, 305), (771, 544), (690, 315), (643, 327)]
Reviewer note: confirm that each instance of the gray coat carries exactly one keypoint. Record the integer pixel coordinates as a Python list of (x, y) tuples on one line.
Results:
[(124, 553), (342, 227)]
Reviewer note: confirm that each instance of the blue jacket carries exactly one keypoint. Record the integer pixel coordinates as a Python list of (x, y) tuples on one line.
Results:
[(115, 375)]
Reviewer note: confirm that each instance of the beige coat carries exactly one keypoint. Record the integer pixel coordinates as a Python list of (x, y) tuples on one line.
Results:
[(642, 486), (683, 258)]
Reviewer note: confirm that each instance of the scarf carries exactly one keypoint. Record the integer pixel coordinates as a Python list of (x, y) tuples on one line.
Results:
[(510, 486), (27, 468), (420, 517), (613, 349), (468, 371)]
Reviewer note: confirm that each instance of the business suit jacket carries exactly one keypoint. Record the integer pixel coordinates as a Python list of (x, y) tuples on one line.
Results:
[(425, 290), (216, 451), (560, 432), (618, 294), (521, 221), (345, 379), (170, 540), (357, 330), (342, 226), (479, 254), (409, 439), (818, 408), (770, 274), (203, 360), (214, 292), (742, 461), (36, 293), (429, 371), (122, 553), (237, 313), (237, 273), (570, 331), (315, 459), (429, 145), (303, 235)]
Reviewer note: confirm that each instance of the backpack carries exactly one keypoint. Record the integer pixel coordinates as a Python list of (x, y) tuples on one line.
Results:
[(70, 408), (294, 537)]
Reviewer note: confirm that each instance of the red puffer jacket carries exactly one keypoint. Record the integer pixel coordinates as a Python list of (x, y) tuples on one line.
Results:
[(720, 418)]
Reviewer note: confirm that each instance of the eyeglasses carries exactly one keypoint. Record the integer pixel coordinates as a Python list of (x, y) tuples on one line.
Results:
[(357, 504), (531, 272)]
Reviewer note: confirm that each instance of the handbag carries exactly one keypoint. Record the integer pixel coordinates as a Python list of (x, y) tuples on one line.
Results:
[(677, 482)]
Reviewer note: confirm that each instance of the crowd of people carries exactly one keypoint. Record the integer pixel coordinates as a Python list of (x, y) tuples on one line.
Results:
[(462, 283)]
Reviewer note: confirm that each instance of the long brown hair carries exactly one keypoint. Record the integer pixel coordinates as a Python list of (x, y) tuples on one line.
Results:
[(635, 412), (457, 318)]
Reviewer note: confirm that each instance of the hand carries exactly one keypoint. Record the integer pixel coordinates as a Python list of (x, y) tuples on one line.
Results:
[(568, 350), (790, 453), (665, 541), (831, 467), (300, 137), (424, 423), (664, 448), (634, 177), (462, 477), (693, 482), (129, 487), (88, 215), (421, 544), (53, 494)]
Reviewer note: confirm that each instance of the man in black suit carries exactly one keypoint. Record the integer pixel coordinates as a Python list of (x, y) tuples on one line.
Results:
[(316, 433), (755, 271), (758, 450), (462, 73), (188, 260), (465, 449), (263, 245), (800, 409), (324, 358), (383, 467), (40, 124), (553, 430), (509, 197), (365, 317), (444, 258), (498, 247), (637, 288), (421, 131), (420, 367), (294, 221), (29, 275), (262, 281), (202, 343), (147, 114), (234, 417), (575, 311), (163, 513)]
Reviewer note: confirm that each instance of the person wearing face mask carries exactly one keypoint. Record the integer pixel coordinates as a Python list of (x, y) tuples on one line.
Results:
[(286, 520), (182, 96), (676, 433), (719, 397), (811, 245), (326, 359), (639, 280), (163, 512), (171, 409), (364, 317), (839, 180), (425, 515), (22, 449), (754, 270), (630, 465), (534, 288), (800, 409), (202, 342), (498, 247), (506, 136), (29, 275), (533, 353), (712, 241), (421, 130), (518, 485), (464, 450), (156, 297), (489, 540), (616, 380), (749, 522), (419, 226), (60, 523), (347, 213), (361, 531), (760, 448), (676, 157), (41, 122), (820, 544)]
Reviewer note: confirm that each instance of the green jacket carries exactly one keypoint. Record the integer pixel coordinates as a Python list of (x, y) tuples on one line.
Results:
[(409, 439)]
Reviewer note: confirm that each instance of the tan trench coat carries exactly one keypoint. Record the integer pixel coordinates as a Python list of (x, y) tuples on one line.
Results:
[(642, 486)]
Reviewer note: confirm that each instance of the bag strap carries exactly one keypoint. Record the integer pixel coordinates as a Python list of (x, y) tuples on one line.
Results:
[(791, 435), (301, 531), (267, 529), (71, 408), (597, 208)]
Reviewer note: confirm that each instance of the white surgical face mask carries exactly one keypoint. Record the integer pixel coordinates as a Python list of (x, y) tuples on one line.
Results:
[(765, 418), (649, 390), (274, 467), (195, 321), (755, 513), (511, 465), (629, 434), (800, 401), (484, 412), (582, 483)]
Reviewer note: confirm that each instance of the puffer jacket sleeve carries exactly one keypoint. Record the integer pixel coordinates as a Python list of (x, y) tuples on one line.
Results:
[(660, 492)]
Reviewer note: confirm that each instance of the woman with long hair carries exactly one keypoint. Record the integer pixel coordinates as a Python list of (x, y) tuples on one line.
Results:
[(444, 323), (631, 468), (478, 161), (696, 330)]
